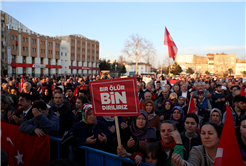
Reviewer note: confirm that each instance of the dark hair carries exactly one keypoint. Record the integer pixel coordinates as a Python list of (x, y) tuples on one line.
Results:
[(192, 115), (83, 99), (83, 91), (216, 127), (4, 158), (146, 102), (36, 96), (60, 89), (238, 98), (155, 150), (27, 96), (169, 122), (39, 104), (69, 88), (242, 119), (69, 85)]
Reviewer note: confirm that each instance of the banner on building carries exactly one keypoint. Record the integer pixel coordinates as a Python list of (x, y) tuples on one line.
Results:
[(9, 55), (117, 97), (38, 66)]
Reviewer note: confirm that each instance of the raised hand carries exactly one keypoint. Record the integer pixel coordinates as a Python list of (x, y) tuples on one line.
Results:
[(111, 128), (90, 141), (39, 132), (102, 138), (18, 120), (130, 142)]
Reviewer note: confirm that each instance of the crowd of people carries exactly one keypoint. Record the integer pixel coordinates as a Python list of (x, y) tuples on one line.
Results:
[(164, 133)]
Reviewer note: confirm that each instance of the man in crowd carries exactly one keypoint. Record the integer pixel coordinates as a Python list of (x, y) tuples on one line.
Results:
[(44, 121), (71, 98), (218, 98), (184, 92), (158, 89), (25, 113)]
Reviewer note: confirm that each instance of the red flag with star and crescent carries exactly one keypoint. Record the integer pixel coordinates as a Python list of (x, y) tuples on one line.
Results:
[(172, 48), (228, 152), (23, 149)]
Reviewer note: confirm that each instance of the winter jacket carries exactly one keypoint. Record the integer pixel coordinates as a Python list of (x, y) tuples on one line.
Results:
[(80, 131), (216, 96), (236, 118), (189, 143), (50, 125)]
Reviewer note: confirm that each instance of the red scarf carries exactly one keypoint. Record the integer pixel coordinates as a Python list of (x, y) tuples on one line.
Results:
[(168, 146)]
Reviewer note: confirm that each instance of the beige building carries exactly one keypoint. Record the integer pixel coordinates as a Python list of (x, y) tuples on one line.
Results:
[(240, 66), (214, 63), (197, 63)]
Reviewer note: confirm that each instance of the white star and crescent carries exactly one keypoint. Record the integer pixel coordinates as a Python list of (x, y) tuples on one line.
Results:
[(19, 158)]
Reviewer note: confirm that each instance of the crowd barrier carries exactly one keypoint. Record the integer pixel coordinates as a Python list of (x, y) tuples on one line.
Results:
[(95, 157)]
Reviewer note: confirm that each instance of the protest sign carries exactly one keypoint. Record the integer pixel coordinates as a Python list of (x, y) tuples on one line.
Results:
[(117, 97), (146, 79), (244, 79), (163, 83)]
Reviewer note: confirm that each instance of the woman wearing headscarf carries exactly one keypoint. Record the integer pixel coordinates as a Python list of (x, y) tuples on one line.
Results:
[(182, 104), (166, 111), (47, 95), (137, 136), (154, 120), (89, 132), (216, 117), (177, 116)]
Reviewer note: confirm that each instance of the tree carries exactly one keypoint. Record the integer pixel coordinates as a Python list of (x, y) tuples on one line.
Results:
[(190, 70), (138, 48), (121, 60), (230, 71), (243, 72), (207, 72), (197, 74), (175, 69), (104, 65)]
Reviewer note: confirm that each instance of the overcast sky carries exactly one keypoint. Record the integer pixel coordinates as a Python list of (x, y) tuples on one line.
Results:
[(196, 27)]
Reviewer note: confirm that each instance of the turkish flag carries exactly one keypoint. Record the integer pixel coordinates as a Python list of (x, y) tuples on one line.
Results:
[(22, 83), (153, 97), (172, 48), (228, 152), (192, 107), (23, 149), (233, 82)]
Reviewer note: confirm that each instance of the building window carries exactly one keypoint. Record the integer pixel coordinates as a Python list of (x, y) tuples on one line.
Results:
[(15, 37), (26, 48), (33, 60), (42, 60), (43, 42), (34, 49), (61, 53), (50, 43), (12, 47), (16, 47), (32, 40), (35, 41), (26, 39), (12, 37), (23, 48), (65, 54), (58, 45), (49, 51), (24, 59), (23, 39)]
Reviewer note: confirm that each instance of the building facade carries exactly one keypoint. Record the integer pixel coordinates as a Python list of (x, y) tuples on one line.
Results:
[(29, 53), (142, 68), (213, 63)]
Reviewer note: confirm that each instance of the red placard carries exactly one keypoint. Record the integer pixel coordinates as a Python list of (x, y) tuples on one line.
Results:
[(115, 97)]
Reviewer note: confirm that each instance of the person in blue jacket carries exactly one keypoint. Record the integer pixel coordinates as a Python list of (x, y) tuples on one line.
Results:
[(44, 121), (89, 132)]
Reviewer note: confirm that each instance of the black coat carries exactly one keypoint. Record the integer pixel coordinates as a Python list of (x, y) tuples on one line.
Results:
[(188, 144), (28, 116), (66, 118), (80, 131), (4, 114), (188, 95)]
